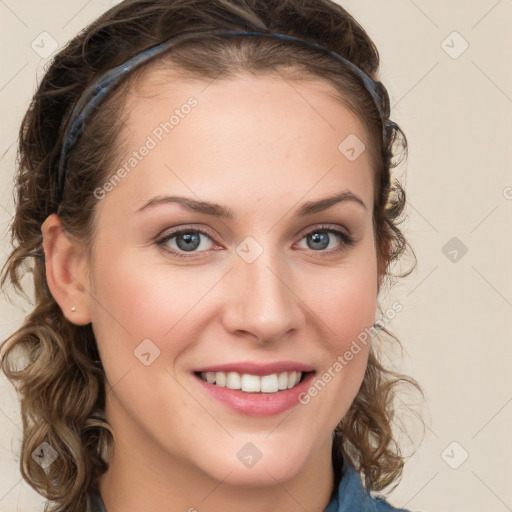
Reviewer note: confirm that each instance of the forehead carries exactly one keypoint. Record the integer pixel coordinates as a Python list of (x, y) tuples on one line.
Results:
[(244, 131), (316, 100)]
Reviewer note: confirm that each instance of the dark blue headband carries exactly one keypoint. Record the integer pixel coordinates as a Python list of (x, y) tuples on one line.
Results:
[(93, 95)]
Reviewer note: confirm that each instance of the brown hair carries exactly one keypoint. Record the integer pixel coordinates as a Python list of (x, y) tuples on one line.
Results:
[(61, 387)]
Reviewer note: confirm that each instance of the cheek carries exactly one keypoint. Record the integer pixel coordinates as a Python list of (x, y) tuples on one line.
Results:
[(128, 306), (144, 300), (344, 298)]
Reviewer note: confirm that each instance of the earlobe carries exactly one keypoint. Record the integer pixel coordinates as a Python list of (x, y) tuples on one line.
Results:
[(66, 271)]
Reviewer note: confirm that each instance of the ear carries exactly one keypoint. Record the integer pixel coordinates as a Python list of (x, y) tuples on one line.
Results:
[(66, 271)]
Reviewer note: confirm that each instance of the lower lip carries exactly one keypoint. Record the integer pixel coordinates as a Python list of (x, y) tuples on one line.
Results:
[(257, 404)]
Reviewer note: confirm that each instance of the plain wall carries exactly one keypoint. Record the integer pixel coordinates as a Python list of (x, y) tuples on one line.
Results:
[(456, 110)]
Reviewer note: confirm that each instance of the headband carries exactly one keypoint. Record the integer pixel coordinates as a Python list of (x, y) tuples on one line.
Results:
[(93, 94)]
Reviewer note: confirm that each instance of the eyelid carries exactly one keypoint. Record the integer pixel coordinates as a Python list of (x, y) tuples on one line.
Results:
[(168, 232), (321, 227), (164, 237), (347, 239), (193, 227)]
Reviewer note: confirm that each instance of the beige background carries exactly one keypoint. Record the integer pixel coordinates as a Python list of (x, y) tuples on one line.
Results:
[(456, 110)]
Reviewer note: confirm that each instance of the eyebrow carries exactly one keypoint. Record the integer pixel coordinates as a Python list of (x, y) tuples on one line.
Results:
[(224, 212)]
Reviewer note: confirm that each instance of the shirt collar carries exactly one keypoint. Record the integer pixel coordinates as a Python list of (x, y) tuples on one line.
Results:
[(351, 495)]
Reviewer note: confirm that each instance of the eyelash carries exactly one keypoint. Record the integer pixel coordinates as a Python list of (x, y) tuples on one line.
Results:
[(347, 240)]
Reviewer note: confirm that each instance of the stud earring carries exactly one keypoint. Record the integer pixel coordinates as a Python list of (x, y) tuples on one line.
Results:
[(73, 309)]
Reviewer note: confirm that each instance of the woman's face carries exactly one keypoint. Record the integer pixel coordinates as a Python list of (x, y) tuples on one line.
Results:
[(261, 293)]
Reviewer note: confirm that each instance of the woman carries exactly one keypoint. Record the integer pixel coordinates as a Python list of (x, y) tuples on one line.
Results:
[(204, 188)]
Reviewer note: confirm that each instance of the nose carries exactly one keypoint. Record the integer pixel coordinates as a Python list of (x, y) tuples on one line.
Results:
[(262, 303)]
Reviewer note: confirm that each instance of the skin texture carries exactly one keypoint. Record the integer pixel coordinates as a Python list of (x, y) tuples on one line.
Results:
[(262, 148)]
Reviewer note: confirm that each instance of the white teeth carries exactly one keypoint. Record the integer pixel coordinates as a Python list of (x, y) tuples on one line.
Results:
[(269, 383), (233, 380), (253, 383), (282, 381), (220, 379), (291, 380)]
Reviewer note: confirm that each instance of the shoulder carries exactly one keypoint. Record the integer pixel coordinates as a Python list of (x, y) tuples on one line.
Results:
[(351, 496)]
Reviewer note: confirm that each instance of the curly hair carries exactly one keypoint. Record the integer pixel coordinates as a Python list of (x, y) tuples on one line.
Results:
[(61, 383)]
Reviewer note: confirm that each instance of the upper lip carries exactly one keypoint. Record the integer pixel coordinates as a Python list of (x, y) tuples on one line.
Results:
[(254, 368)]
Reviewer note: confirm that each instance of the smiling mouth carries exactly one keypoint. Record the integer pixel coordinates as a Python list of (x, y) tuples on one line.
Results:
[(249, 383)]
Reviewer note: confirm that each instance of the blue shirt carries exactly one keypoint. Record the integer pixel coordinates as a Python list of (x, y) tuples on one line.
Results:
[(350, 497)]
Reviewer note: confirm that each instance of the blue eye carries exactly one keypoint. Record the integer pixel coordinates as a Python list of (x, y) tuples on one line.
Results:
[(189, 239), (320, 238)]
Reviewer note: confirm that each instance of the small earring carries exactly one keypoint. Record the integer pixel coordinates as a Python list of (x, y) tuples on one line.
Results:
[(73, 309)]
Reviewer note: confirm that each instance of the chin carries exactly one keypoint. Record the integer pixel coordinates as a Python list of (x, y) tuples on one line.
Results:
[(257, 463)]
